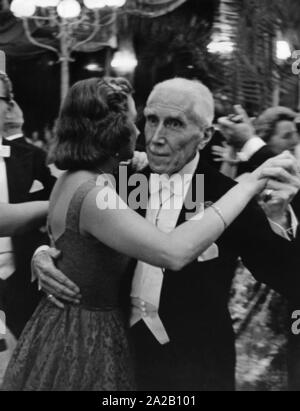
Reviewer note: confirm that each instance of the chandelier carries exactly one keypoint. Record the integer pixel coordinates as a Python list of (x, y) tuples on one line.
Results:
[(71, 23)]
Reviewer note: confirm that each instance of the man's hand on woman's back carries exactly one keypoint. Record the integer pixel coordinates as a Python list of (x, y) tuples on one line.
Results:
[(52, 281)]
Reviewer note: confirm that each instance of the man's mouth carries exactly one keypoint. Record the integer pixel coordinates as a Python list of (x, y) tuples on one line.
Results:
[(158, 154)]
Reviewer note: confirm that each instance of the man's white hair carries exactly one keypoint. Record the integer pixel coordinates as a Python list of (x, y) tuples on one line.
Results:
[(191, 92)]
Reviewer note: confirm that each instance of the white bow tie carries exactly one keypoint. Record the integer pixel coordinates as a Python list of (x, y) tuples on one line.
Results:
[(175, 184)]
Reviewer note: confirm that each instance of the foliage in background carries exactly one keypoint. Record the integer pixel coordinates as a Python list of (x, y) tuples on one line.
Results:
[(253, 75), (173, 44)]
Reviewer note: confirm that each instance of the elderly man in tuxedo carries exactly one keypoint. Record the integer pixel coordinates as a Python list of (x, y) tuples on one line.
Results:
[(180, 323)]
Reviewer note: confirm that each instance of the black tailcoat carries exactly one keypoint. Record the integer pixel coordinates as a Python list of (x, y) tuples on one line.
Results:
[(194, 301)]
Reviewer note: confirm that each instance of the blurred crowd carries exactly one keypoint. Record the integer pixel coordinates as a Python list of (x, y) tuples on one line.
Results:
[(42, 139)]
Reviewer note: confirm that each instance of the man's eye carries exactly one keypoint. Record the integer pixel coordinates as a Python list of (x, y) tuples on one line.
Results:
[(152, 120), (174, 123)]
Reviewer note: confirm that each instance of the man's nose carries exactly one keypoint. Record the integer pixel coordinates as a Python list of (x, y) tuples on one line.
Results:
[(158, 137)]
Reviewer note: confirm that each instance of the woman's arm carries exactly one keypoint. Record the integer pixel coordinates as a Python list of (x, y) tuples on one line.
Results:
[(127, 232), (18, 218)]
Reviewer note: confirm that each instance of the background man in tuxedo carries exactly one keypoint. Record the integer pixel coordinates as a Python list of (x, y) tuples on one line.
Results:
[(181, 326), (24, 177)]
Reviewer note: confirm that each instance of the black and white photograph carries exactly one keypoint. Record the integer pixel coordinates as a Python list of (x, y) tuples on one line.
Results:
[(149, 198)]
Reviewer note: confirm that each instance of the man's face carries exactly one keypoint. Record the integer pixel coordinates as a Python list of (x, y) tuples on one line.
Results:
[(285, 137), (172, 139)]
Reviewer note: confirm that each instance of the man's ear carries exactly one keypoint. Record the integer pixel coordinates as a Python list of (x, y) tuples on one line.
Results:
[(207, 136)]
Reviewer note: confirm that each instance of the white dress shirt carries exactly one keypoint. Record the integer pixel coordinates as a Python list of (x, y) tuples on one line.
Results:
[(250, 148), (7, 260), (164, 207)]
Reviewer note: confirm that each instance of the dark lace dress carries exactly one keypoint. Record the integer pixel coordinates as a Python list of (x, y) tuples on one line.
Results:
[(80, 348)]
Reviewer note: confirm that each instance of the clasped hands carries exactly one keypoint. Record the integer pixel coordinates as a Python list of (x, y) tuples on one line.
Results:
[(282, 184)]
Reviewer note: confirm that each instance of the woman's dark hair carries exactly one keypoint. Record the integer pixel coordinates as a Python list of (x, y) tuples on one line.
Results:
[(266, 123), (93, 124)]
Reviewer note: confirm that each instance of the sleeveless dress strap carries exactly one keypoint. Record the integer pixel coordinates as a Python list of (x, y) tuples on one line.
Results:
[(73, 214)]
